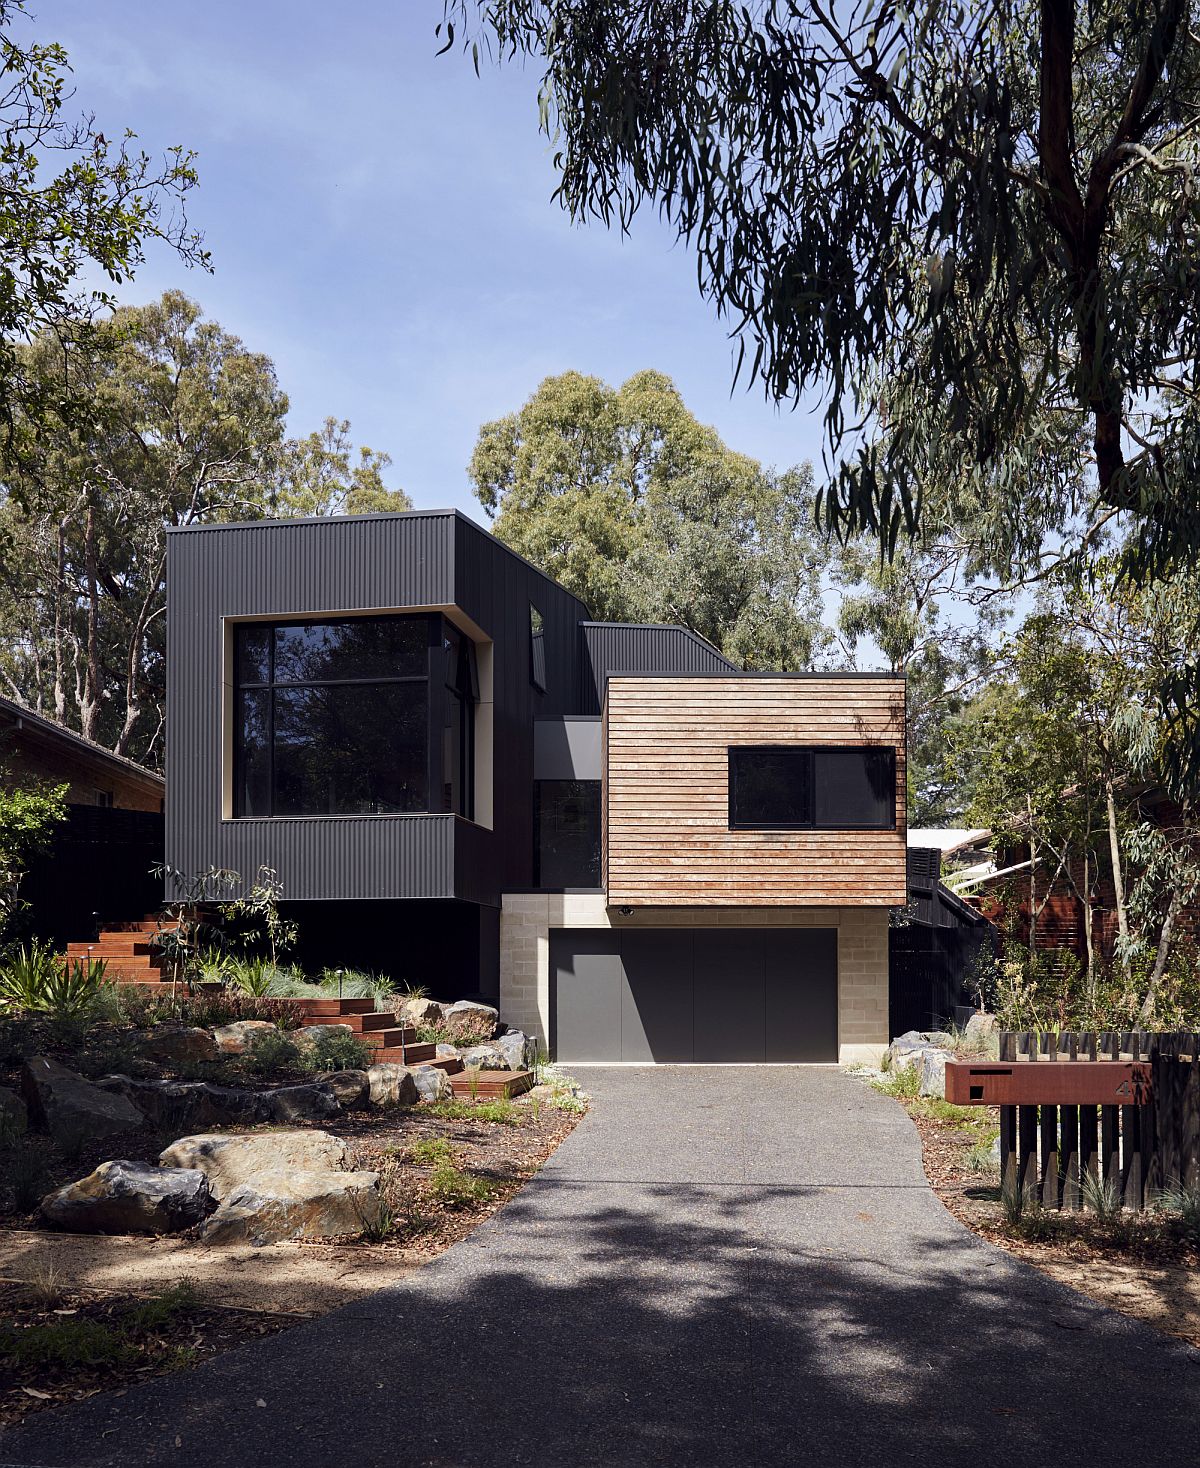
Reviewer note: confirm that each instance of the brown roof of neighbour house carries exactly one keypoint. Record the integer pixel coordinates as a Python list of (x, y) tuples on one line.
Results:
[(17, 716)]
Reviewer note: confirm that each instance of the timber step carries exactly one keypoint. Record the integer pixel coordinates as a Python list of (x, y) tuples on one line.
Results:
[(127, 951), (323, 1011), (491, 1085), (361, 1024)]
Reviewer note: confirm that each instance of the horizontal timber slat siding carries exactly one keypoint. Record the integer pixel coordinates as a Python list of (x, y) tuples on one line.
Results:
[(667, 839)]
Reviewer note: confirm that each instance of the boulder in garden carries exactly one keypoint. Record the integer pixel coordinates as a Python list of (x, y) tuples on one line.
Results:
[(228, 1161), (469, 1023), (279, 1205), (391, 1085), (131, 1197), (70, 1107)]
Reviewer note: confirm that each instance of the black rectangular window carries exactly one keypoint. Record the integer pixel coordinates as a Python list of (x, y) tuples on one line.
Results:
[(537, 648), (359, 716), (566, 846), (823, 788)]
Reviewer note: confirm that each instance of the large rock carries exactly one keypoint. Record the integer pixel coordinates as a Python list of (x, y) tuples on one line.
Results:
[(297, 1205), (131, 1198), (468, 1023), (447, 1052), (432, 1084), (238, 1038), (192, 1105), (14, 1117), (391, 1085), (520, 1051), (931, 1071), (313, 1101), (423, 1012), (981, 1030), (71, 1108), (167, 1043), (351, 1087), (230, 1161), (484, 1057)]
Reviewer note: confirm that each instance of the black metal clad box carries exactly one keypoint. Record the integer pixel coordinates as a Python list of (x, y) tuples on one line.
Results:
[(353, 564)]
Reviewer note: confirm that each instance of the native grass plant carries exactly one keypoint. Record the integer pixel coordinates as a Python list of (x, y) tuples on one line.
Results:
[(501, 1111), (77, 1341), (981, 1159), (1181, 1202), (272, 1053), (334, 1049), (901, 1081)]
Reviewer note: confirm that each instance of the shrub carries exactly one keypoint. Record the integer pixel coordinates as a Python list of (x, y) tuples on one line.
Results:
[(1183, 1202), (252, 976), (435, 1152), (902, 1081), (334, 1049), (211, 1010), (457, 1189), (272, 1051), (354, 983)]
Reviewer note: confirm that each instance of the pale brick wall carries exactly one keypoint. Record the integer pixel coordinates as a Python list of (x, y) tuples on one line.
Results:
[(527, 919)]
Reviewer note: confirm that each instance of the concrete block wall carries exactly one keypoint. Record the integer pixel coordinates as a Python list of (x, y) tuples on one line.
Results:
[(527, 919)]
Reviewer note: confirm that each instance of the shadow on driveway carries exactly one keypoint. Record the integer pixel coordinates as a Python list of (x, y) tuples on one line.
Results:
[(684, 1320)]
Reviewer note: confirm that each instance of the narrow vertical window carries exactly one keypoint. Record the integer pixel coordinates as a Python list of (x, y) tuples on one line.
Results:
[(537, 649)]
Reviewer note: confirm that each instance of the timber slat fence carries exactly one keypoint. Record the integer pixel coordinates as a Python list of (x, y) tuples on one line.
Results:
[(1139, 1151)]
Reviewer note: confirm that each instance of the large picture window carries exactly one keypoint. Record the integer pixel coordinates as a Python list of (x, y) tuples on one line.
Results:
[(823, 788), (359, 716)]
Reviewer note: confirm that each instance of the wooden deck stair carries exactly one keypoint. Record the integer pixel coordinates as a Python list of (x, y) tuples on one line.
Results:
[(390, 1040), (129, 955), (380, 1029)]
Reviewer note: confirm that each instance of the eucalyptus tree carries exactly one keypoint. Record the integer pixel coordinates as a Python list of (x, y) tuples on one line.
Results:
[(974, 227), (183, 425), (646, 515), (78, 208)]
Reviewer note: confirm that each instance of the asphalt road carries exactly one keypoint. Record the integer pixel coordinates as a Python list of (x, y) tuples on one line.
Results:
[(719, 1266)]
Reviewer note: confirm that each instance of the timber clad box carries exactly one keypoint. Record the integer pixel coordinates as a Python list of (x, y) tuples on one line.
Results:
[(638, 850), (669, 835)]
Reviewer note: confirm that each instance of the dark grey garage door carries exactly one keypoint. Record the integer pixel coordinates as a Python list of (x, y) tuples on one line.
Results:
[(698, 994)]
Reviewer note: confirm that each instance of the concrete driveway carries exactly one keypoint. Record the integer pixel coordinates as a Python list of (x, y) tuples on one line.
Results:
[(719, 1266)]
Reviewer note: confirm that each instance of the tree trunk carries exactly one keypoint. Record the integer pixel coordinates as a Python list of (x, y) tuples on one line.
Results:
[(1146, 1014), (89, 710), (60, 592), (1114, 846), (1089, 941)]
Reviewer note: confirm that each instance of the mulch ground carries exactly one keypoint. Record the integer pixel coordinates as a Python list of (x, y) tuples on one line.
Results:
[(497, 1155), (59, 1345), (1139, 1263)]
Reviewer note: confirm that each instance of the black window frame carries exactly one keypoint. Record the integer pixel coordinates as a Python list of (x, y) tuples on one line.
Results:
[(808, 752), (537, 648), (594, 790), (435, 678)]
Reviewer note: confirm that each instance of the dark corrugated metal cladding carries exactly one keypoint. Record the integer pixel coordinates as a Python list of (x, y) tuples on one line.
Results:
[(627, 648)]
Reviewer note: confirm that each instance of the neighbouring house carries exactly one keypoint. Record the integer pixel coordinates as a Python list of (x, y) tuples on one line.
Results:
[(462, 780), (937, 940), (98, 866)]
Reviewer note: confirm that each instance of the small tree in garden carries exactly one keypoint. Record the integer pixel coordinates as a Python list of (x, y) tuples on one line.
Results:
[(185, 929), (29, 816), (255, 918)]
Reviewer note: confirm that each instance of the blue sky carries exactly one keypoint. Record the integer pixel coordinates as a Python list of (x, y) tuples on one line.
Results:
[(381, 226)]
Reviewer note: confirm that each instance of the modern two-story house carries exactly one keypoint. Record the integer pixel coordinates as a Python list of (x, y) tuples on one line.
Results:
[(640, 851)]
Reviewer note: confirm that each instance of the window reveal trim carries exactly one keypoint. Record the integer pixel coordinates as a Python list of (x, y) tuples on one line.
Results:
[(810, 751)]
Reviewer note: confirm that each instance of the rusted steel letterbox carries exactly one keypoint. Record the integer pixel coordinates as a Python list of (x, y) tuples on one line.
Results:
[(1048, 1083)]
